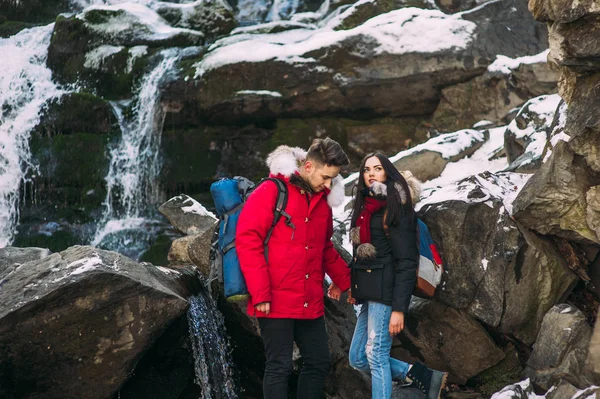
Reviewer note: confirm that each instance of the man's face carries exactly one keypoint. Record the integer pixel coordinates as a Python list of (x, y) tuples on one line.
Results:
[(320, 176)]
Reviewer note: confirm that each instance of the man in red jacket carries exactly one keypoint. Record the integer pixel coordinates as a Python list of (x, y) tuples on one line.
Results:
[(286, 290)]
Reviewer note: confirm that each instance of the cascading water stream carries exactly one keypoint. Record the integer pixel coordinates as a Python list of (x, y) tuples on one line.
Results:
[(132, 191), (212, 353), (25, 87)]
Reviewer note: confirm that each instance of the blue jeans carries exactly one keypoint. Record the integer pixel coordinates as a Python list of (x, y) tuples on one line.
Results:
[(370, 349)]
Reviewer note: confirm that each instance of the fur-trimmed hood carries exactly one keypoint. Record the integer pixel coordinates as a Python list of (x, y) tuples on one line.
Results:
[(414, 188), (284, 162)]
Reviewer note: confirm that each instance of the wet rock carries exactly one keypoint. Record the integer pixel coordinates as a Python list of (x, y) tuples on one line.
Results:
[(83, 312)]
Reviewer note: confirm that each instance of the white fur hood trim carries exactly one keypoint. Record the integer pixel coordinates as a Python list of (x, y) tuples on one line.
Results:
[(284, 160)]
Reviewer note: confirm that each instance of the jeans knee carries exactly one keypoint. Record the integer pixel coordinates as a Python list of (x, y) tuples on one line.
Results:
[(358, 362)]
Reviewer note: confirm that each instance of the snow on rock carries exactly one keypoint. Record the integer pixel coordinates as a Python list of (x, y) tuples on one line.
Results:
[(527, 134), (505, 65), (131, 20), (520, 390), (258, 93), (502, 185), (95, 58), (448, 145), (401, 31)]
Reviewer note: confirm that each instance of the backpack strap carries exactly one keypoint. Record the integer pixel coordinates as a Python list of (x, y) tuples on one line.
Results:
[(279, 210)]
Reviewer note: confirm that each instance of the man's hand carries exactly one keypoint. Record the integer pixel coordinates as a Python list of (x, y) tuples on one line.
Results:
[(264, 307), (396, 323), (350, 299), (334, 292)]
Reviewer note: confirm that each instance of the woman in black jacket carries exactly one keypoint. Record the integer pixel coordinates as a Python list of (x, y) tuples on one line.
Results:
[(384, 271)]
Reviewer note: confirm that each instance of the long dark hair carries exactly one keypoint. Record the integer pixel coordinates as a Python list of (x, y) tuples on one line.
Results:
[(395, 209)]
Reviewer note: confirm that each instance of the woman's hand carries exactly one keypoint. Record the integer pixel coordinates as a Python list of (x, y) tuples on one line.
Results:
[(350, 299), (334, 292), (396, 323)]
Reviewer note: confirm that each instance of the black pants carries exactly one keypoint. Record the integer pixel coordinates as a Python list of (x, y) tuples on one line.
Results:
[(278, 338)]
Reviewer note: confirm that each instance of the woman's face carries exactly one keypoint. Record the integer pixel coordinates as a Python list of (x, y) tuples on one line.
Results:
[(373, 172)]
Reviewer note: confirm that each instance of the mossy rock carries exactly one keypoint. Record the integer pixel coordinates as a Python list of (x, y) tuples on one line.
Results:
[(70, 175), (77, 113), (10, 28), (507, 372), (36, 11)]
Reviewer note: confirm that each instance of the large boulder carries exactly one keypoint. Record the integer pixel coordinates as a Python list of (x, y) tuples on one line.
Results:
[(494, 267), (73, 324), (561, 349), (446, 339), (333, 72), (554, 200), (507, 83)]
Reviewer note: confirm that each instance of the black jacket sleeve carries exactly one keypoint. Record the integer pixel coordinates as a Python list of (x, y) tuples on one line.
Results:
[(403, 236)]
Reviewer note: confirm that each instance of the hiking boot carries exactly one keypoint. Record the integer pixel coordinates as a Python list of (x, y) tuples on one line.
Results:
[(430, 382)]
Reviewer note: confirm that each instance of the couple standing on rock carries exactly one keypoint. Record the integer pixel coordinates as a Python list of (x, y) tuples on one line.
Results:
[(286, 290)]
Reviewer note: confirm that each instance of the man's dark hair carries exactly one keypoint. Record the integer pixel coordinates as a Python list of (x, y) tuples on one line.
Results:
[(327, 152)]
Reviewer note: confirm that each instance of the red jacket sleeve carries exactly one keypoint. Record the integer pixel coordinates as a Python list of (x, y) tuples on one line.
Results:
[(253, 225), (333, 263)]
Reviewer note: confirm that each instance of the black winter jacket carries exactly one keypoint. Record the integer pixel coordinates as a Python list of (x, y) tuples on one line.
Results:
[(389, 278)]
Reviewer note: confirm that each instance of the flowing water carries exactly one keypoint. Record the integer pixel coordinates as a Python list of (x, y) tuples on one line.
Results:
[(212, 353), (25, 87), (128, 224)]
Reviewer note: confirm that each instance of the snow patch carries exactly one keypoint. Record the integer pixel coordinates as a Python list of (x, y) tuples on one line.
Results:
[(506, 65)]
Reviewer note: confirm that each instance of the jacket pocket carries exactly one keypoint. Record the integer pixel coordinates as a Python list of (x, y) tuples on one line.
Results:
[(368, 280)]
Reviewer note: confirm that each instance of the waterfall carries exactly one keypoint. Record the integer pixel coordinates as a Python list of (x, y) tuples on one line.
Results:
[(212, 353), (132, 191), (25, 86)]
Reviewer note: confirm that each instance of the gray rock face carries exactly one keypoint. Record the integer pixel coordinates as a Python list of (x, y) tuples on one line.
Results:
[(492, 264), (446, 339), (73, 324), (561, 349), (12, 257), (346, 71), (554, 200), (492, 95), (187, 215)]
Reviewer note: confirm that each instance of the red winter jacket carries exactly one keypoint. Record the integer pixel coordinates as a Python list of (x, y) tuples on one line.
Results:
[(292, 281)]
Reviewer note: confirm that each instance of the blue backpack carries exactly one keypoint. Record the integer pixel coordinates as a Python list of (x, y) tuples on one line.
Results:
[(229, 196)]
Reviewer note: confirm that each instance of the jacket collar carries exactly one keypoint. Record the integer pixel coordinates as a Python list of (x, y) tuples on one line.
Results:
[(284, 161)]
